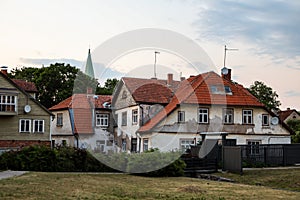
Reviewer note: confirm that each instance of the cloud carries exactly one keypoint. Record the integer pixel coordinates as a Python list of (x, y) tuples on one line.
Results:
[(292, 93), (272, 25)]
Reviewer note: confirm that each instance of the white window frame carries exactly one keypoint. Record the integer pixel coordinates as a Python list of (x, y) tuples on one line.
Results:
[(124, 118), (59, 119), (228, 115), (247, 116), (203, 117), (25, 126), (6, 102), (263, 120), (145, 144), (102, 119), (186, 143), (43, 126), (135, 116), (254, 146), (181, 116)]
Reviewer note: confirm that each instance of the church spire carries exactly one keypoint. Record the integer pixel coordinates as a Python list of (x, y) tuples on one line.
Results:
[(89, 70)]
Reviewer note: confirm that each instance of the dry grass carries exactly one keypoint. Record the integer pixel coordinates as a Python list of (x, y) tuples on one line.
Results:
[(120, 186)]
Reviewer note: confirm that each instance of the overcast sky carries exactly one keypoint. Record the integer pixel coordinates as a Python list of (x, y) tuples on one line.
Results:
[(266, 34)]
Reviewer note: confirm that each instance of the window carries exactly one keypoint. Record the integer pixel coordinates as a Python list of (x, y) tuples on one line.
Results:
[(134, 116), (186, 144), (59, 119), (100, 145), (181, 116), (38, 126), (145, 144), (133, 144), (253, 147), (124, 145), (265, 120), (102, 119), (220, 89), (124, 118), (24, 125), (124, 95), (64, 143), (203, 115), (247, 116), (228, 115), (8, 103)]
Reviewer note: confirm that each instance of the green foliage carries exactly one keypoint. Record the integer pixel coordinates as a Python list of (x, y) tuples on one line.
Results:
[(294, 124), (265, 95), (151, 163), (42, 158), (59, 81), (109, 87)]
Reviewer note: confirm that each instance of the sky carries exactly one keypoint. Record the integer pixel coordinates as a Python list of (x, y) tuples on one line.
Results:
[(266, 34)]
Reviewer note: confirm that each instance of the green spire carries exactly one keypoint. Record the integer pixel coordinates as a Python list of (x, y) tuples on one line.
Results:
[(89, 70)]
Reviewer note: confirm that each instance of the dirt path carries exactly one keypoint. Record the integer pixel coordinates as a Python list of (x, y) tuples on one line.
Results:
[(9, 174)]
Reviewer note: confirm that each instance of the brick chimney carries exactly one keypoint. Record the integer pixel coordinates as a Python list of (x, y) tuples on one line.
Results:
[(226, 73), (170, 79), (4, 70)]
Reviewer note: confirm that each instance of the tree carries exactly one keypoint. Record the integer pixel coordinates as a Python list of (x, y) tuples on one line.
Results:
[(265, 95), (83, 82), (109, 87), (294, 124)]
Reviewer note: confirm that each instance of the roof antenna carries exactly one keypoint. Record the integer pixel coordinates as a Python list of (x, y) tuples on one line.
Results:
[(227, 49), (155, 52)]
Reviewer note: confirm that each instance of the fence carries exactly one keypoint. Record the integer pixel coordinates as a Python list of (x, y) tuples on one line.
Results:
[(270, 155)]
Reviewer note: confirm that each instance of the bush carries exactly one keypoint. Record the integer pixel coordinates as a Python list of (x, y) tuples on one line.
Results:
[(150, 163), (42, 158)]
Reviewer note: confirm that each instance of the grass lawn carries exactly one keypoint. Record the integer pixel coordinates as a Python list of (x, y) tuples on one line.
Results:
[(37, 185), (287, 179)]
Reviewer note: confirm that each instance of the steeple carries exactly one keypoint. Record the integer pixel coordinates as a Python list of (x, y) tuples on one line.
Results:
[(89, 70)]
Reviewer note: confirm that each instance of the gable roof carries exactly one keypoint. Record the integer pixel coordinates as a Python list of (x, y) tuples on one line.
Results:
[(25, 93), (196, 90), (27, 86), (80, 107), (284, 114), (150, 90)]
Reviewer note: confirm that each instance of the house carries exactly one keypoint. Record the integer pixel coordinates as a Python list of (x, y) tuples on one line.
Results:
[(171, 115), (23, 120), (288, 114), (84, 121)]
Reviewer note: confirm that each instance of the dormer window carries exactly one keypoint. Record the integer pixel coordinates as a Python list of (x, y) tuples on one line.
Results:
[(220, 89)]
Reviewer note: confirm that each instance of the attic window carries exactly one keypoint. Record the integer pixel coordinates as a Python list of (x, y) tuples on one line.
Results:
[(220, 89), (124, 95)]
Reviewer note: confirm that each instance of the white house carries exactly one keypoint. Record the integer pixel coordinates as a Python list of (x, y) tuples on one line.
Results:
[(171, 115)]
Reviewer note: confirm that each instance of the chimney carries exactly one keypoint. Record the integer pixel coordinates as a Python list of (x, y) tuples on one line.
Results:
[(226, 73), (182, 78), (4, 70), (89, 90), (288, 108), (170, 79)]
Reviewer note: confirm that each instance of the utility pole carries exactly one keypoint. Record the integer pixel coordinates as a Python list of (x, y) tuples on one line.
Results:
[(155, 52)]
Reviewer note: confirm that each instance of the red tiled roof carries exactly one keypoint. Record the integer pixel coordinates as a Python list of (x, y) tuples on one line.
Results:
[(69, 102), (26, 86), (82, 106), (283, 114), (150, 90), (196, 90)]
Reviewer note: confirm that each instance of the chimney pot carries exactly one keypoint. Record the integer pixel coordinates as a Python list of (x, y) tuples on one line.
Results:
[(4, 70), (226, 73), (170, 79)]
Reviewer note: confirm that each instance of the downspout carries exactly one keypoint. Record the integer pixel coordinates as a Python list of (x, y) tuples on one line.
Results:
[(71, 114)]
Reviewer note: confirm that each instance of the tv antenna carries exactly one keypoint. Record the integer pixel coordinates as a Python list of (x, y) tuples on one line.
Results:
[(227, 49), (155, 52)]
